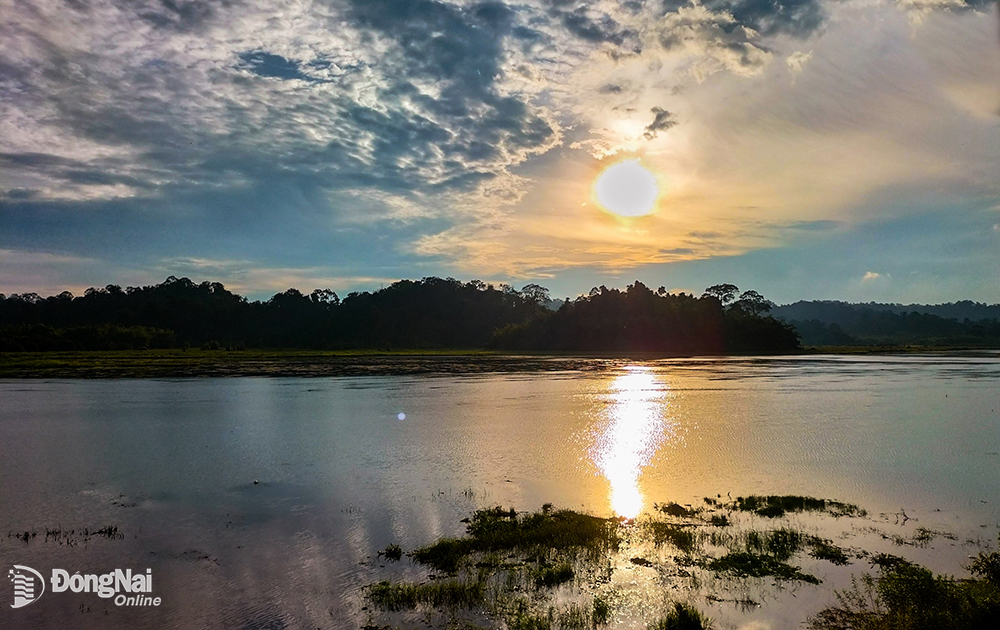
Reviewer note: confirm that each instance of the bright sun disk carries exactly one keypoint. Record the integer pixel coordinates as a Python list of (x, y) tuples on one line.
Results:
[(627, 189)]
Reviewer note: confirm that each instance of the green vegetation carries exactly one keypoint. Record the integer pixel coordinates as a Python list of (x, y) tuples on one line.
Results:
[(825, 550), (682, 617), (639, 319), (829, 323), (392, 553), (431, 314), (742, 564), (405, 596), (906, 596), (601, 610), (538, 535), (677, 535), (508, 567), (775, 506), (549, 576), (674, 509)]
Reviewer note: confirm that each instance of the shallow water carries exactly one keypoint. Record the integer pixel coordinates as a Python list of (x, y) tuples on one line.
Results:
[(172, 464)]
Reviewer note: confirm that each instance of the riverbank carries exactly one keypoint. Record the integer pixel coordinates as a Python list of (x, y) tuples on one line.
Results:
[(204, 363)]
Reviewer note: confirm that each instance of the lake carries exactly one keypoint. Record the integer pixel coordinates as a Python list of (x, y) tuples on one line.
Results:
[(262, 502)]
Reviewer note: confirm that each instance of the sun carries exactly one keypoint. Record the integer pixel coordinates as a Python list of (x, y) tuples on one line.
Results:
[(627, 189)]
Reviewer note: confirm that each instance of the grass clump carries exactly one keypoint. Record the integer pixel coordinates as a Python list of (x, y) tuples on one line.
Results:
[(675, 509), (906, 596), (826, 550), (395, 596), (782, 544), (719, 520), (680, 537), (746, 564), (774, 506), (549, 576), (601, 611), (682, 617), (392, 553), (444, 555), (538, 533), (573, 617)]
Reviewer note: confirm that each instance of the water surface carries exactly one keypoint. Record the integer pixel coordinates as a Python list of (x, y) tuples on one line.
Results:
[(172, 464)]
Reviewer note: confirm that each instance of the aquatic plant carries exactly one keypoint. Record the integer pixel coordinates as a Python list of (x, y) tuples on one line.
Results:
[(907, 596), (677, 535), (822, 549), (674, 509), (553, 575), (538, 534), (682, 617), (392, 553), (773, 506), (395, 596), (743, 564)]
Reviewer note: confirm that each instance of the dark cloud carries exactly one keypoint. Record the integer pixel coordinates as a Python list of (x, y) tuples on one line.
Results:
[(798, 18), (590, 24), (662, 120), (180, 15), (611, 88)]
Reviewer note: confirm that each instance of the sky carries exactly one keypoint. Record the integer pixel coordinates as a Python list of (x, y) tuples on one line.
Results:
[(807, 149)]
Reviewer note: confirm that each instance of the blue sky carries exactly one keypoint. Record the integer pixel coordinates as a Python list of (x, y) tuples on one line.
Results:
[(810, 149)]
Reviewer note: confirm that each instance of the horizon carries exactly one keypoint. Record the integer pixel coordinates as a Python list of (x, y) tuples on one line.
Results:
[(807, 149)]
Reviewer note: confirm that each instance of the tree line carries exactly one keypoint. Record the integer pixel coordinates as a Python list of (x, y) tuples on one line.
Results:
[(431, 313), (843, 324)]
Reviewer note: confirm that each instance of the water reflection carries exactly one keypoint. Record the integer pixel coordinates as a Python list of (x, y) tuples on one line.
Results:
[(634, 427)]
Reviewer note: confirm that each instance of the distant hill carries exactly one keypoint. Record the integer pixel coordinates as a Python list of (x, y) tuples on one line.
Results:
[(830, 311), (964, 323)]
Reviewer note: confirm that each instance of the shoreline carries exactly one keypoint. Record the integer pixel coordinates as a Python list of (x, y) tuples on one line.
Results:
[(310, 363)]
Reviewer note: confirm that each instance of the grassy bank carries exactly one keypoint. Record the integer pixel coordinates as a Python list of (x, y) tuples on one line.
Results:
[(555, 569)]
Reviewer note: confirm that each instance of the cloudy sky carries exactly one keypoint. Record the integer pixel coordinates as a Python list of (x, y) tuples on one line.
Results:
[(810, 149)]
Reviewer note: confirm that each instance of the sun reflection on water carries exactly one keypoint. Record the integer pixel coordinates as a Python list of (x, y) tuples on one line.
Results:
[(634, 427)]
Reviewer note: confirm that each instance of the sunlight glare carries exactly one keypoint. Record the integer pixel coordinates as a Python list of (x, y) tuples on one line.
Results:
[(635, 429), (627, 189)]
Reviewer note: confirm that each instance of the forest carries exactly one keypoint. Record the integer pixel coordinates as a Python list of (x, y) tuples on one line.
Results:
[(431, 313), (830, 323)]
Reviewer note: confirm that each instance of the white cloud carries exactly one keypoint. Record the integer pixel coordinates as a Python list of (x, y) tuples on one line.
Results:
[(797, 61)]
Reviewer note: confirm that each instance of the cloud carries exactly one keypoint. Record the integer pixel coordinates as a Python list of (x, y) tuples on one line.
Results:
[(662, 120), (873, 275), (797, 60), (720, 40), (389, 136)]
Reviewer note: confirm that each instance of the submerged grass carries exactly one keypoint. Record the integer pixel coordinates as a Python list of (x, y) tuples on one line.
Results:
[(537, 534), (507, 566), (554, 575), (906, 596), (678, 536), (773, 506), (743, 564), (396, 596), (682, 617), (825, 550)]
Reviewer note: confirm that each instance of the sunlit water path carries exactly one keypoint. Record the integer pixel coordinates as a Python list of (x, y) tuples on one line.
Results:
[(172, 464)]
